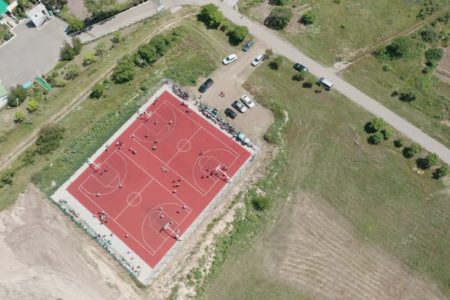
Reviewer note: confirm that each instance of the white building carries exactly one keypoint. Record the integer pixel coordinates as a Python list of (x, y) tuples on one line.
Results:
[(38, 15)]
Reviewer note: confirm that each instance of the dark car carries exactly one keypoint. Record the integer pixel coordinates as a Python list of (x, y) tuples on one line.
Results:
[(248, 45), (206, 85), (300, 67), (230, 113)]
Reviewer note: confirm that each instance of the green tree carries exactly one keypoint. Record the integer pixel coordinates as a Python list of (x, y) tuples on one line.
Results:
[(400, 47), (7, 178), (74, 23), (279, 18), (387, 133), (76, 46), (66, 52), (116, 37), (374, 125), (97, 90), (375, 139), (399, 143), (433, 56), (211, 16), (411, 151), (124, 71), (16, 96), (33, 105), (308, 18), (279, 2), (19, 117), (441, 172), (49, 139), (429, 34), (275, 64), (237, 34), (431, 160)]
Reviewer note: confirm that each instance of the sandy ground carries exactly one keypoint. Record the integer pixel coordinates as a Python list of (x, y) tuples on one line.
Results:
[(45, 256), (443, 70), (316, 252), (78, 9)]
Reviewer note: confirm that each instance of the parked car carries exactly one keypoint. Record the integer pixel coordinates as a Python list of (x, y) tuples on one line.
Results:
[(206, 85), (300, 67), (229, 59), (325, 83), (247, 101), (239, 106), (248, 45), (230, 113), (257, 60)]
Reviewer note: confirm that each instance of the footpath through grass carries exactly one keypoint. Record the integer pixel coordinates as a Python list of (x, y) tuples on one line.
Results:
[(328, 156)]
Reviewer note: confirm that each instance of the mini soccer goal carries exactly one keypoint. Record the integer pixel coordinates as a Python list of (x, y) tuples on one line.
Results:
[(175, 234), (220, 172)]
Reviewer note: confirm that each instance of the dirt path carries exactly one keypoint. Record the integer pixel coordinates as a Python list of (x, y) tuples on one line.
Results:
[(46, 257), (315, 250)]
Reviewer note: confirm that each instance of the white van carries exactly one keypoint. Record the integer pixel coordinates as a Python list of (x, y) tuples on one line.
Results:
[(326, 83)]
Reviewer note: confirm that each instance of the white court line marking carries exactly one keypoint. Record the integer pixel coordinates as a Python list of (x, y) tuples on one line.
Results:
[(165, 237), (208, 131), (178, 150), (128, 205)]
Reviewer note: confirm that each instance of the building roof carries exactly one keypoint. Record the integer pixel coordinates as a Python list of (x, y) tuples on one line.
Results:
[(3, 7)]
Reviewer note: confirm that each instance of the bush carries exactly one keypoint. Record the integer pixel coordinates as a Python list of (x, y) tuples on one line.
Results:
[(89, 59), (72, 72), (7, 178), (100, 49), (19, 117), (124, 71), (411, 151), (298, 77), (429, 34), (407, 97), (261, 203), (441, 172), (375, 139), (237, 34), (308, 18), (387, 133), (16, 96), (279, 18), (399, 143), (431, 160), (211, 16), (49, 139), (279, 2), (307, 85), (433, 56), (97, 90), (374, 125), (116, 37), (276, 63), (33, 105)]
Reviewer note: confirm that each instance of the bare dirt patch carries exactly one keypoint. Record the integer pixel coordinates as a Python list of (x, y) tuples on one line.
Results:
[(443, 70), (78, 9), (46, 257), (315, 251)]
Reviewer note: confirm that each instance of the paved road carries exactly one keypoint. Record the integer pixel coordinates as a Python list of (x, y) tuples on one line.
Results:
[(33, 51), (281, 46)]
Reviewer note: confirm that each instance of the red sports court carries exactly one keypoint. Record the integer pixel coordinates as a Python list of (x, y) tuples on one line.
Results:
[(153, 181)]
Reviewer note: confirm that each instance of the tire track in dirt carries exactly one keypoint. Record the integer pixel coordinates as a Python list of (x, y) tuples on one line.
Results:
[(315, 251)]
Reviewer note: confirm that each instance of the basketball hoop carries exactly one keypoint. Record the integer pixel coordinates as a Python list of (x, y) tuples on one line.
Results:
[(219, 171), (171, 232)]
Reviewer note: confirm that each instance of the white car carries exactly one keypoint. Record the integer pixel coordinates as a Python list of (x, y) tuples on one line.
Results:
[(239, 106), (247, 101), (257, 60), (229, 59)]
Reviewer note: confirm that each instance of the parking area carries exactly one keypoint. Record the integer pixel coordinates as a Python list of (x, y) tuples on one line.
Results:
[(229, 79), (33, 51)]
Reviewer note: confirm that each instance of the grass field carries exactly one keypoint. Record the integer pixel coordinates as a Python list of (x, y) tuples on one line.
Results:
[(94, 121), (430, 111), (342, 28), (373, 187)]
